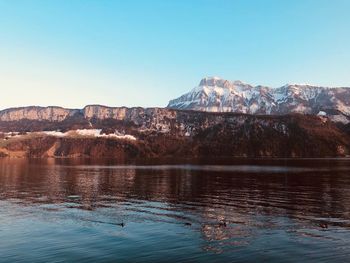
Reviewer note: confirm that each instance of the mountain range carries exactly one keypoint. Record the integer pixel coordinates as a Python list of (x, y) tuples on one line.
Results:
[(218, 95), (218, 118)]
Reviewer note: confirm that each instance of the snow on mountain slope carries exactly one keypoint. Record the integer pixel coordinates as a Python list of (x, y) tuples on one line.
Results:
[(219, 95)]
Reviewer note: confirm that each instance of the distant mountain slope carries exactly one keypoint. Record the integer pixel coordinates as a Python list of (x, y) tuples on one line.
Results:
[(219, 95)]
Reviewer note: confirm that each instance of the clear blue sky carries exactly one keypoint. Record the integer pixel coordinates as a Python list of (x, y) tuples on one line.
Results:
[(143, 53)]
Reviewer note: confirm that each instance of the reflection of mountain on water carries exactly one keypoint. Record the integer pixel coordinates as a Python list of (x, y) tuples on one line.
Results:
[(226, 207)]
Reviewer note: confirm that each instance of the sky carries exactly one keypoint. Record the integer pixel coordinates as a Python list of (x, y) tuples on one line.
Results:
[(72, 53)]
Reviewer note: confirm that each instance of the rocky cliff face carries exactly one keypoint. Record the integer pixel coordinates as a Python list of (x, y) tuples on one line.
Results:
[(137, 115), (103, 112), (218, 95), (37, 114)]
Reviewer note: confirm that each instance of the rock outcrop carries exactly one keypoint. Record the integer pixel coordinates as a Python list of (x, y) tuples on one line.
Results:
[(36, 113)]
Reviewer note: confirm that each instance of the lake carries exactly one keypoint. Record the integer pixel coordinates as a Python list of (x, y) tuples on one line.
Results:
[(59, 210)]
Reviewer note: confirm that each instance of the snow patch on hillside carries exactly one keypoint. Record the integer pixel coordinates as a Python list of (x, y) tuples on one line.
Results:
[(90, 133)]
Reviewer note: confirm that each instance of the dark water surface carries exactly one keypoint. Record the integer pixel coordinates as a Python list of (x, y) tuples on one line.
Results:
[(184, 211)]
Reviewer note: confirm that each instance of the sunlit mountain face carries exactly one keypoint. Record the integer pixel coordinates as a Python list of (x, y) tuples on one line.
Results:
[(218, 95)]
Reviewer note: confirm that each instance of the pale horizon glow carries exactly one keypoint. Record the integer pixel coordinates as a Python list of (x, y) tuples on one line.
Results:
[(144, 53)]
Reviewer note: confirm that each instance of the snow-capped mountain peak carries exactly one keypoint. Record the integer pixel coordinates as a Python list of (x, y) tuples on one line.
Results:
[(220, 95)]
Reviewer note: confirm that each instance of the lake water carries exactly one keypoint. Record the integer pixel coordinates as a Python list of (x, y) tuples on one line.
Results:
[(175, 211)]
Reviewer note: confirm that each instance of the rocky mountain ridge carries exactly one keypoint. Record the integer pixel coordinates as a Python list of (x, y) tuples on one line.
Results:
[(214, 95), (59, 114), (214, 120), (219, 95)]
